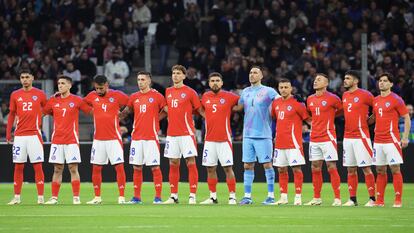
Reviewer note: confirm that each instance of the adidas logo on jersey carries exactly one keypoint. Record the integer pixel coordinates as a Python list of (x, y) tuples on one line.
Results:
[(20, 99), (208, 101), (277, 107), (137, 101), (57, 105), (169, 96), (97, 99), (311, 104)]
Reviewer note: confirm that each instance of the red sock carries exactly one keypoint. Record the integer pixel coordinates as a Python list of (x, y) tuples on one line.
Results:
[(370, 182), (55, 189), (120, 178), (137, 183), (18, 177), (298, 179), (397, 180), (192, 177), (97, 179), (352, 184), (283, 182), (335, 182), (212, 184), (231, 185), (157, 177), (382, 180), (174, 177), (76, 188), (39, 178), (317, 183)]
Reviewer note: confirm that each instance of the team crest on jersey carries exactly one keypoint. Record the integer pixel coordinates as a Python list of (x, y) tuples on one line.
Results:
[(151, 100), (183, 95), (289, 108), (34, 98), (356, 99), (324, 103), (71, 105), (111, 100), (222, 101), (387, 104)]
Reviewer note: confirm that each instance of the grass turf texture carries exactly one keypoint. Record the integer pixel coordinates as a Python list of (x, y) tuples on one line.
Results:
[(111, 217)]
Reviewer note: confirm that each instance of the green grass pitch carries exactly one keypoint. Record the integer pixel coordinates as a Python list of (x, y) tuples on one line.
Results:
[(111, 217)]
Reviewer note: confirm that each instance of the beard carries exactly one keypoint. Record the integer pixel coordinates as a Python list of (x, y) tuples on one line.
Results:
[(215, 90)]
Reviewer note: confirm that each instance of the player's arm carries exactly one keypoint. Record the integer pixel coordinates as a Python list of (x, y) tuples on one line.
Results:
[(371, 119), (201, 111), (338, 107), (10, 120), (238, 108), (407, 127), (124, 113)]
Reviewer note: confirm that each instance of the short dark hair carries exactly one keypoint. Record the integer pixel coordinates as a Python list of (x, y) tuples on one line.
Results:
[(67, 78), (323, 75), (389, 76), (215, 74), (285, 80), (100, 79), (24, 71), (146, 73), (354, 73), (257, 67), (180, 68)]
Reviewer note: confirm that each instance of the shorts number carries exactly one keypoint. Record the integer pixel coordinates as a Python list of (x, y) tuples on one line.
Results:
[(133, 151), (205, 153), (93, 151), (16, 150), (54, 150)]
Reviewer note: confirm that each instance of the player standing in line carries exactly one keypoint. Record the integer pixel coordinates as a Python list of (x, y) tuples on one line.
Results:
[(107, 142), (64, 108), (26, 103), (218, 145), (289, 115), (257, 134), (323, 107), (146, 104), (388, 108), (181, 141), (357, 148)]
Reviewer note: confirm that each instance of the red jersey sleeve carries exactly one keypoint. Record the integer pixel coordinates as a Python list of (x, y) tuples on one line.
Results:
[(369, 99), (401, 108), (272, 110), (84, 107), (48, 107), (337, 103), (161, 101), (88, 99), (43, 99), (12, 104), (195, 101), (123, 98), (130, 103), (302, 111)]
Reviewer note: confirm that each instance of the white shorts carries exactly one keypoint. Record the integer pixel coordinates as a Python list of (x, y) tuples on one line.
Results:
[(61, 152), (24, 146), (323, 151), (144, 152), (107, 149), (177, 146), (357, 152), (217, 151), (387, 154), (288, 157)]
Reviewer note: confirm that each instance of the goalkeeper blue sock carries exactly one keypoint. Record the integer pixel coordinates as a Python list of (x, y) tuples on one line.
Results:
[(248, 182), (270, 180)]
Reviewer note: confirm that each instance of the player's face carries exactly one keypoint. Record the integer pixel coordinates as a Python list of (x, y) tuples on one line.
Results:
[(64, 86), (177, 76), (320, 82), (350, 81), (144, 82), (26, 79), (285, 89), (215, 84), (255, 76), (101, 89), (384, 84)]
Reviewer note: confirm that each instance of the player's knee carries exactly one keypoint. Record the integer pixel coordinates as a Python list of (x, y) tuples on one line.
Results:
[(190, 160), (153, 168), (175, 162), (296, 169), (282, 169), (138, 168), (248, 166), (381, 170), (331, 165), (58, 169), (73, 168), (352, 170), (395, 169), (367, 170)]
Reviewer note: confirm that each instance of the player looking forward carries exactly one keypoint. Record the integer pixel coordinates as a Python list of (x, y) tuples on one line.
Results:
[(26, 106), (218, 146), (64, 107)]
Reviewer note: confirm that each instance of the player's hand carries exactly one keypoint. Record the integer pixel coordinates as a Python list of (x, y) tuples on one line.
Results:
[(404, 143), (57, 94), (9, 140)]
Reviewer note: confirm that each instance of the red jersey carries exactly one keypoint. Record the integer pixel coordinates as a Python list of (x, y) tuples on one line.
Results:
[(105, 113), (65, 112), (146, 107), (289, 115), (27, 105), (356, 105), (387, 112), (181, 103), (218, 111), (323, 109)]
